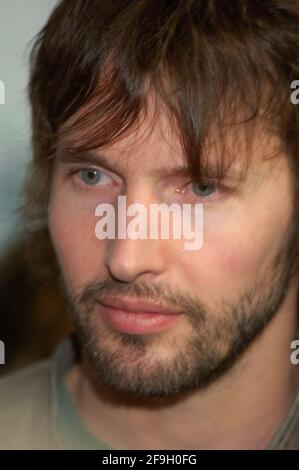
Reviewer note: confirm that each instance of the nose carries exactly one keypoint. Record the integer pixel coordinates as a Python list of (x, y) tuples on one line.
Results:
[(128, 259)]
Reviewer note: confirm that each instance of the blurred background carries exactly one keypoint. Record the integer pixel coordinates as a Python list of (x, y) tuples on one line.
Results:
[(32, 314)]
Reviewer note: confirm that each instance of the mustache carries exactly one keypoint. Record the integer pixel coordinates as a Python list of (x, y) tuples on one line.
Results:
[(157, 293)]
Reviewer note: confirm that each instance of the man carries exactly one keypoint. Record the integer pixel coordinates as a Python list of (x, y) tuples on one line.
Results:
[(184, 102)]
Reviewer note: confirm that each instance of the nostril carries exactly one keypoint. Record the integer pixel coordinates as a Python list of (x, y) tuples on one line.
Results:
[(128, 259)]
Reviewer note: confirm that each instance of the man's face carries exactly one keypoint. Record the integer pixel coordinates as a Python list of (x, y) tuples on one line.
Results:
[(226, 291)]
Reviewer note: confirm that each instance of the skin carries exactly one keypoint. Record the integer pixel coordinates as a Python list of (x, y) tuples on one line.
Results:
[(244, 230)]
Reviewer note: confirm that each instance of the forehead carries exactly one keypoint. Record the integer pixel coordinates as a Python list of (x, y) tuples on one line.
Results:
[(153, 144), (155, 141)]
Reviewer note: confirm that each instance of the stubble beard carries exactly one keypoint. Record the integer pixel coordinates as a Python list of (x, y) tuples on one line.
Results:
[(123, 363)]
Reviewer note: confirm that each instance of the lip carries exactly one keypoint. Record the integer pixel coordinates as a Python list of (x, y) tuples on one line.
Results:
[(137, 306), (137, 317)]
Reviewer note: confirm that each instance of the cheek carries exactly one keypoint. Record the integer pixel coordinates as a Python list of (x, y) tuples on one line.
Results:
[(220, 266), (235, 253), (72, 231)]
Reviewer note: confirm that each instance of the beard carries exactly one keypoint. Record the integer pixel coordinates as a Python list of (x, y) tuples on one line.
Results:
[(128, 364)]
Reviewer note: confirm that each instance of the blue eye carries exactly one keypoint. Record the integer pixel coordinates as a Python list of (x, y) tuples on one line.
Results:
[(90, 176), (204, 189)]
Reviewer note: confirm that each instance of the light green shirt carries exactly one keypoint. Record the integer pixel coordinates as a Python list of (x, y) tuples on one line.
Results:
[(36, 410)]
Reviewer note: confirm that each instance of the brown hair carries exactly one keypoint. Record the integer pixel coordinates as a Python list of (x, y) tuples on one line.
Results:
[(210, 63)]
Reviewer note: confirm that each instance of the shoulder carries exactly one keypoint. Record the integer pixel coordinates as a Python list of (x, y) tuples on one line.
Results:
[(24, 401), (19, 386)]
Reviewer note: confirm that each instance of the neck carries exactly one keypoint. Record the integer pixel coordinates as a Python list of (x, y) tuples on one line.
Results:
[(241, 410)]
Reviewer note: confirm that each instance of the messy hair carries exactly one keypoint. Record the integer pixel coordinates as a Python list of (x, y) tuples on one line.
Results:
[(211, 64)]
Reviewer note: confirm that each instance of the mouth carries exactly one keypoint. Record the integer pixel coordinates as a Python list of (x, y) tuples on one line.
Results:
[(137, 316)]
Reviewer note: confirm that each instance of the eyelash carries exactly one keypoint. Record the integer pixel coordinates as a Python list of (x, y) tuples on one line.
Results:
[(219, 188), (219, 191), (84, 186)]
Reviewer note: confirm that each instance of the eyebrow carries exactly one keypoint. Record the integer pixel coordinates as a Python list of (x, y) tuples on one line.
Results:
[(89, 157), (94, 158), (66, 155)]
